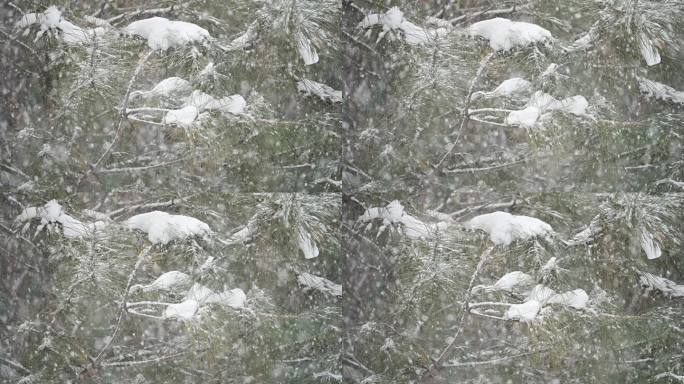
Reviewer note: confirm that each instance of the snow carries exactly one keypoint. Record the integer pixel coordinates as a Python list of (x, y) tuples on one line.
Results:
[(162, 227), (659, 91), (307, 244), (312, 88), (52, 212), (183, 117), (667, 287), (507, 88), (168, 88), (394, 213), (51, 20), (504, 228), (526, 118), (525, 312), (319, 283), (306, 50), (504, 34), (540, 103), (182, 311), (550, 266), (649, 245), (648, 50), (234, 104), (162, 34), (234, 298), (577, 299), (541, 293), (508, 282), (199, 293), (173, 281), (393, 21)]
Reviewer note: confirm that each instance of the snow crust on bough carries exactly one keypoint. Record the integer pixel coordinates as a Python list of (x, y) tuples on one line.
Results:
[(162, 34), (504, 228), (162, 227), (504, 34), (394, 214)]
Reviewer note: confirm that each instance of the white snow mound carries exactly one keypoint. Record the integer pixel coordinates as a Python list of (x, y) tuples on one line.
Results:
[(162, 33), (660, 91), (394, 213), (504, 228), (182, 311), (510, 87), (51, 20), (577, 299), (524, 312), (172, 281), (168, 88), (393, 21), (162, 227), (504, 34), (324, 92), (52, 212), (319, 283)]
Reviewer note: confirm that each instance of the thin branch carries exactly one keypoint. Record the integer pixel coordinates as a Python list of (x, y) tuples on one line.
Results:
[(141, 362), (464, 113), (465, 310), (123, 309), (124, 105)]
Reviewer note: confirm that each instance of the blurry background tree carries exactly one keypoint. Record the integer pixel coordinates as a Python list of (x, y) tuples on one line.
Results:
[(131, 134)]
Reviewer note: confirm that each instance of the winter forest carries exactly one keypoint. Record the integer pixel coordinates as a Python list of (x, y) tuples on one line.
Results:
[(342, 191)]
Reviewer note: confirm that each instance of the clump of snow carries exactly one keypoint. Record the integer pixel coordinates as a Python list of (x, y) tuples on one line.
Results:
[(659, 91), (306, 50), (393, 22), (667, 287), (540, 293), (234, 104), (504, 228), (199, 293), (504, 34), (526, 118), (524, 312), (162, 34), (234, 298), (172, 281), (511, 87), (171, 87), (319, 283), (325, 92), (577, 299), (508, 282), (541, 103), (183, 117), (51, 20), (52, 212), (394, 213), (183, 311), (648, 50), (307, 244), (162, 227), (650, 245)]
